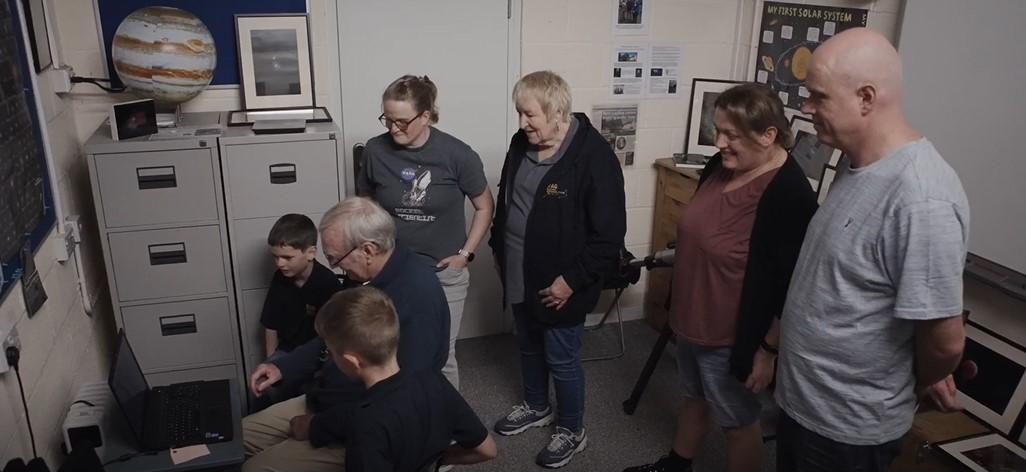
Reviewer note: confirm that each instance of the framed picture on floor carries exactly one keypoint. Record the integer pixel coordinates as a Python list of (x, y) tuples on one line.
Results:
[(996, 393), (987, 452), (275, 66), (812, 155), (701, 131)]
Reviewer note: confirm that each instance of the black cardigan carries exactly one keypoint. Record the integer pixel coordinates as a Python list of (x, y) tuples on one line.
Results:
[(781, 217), (576, 226)]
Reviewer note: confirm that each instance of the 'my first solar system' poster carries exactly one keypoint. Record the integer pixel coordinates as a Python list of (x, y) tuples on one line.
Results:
[(789, 34)]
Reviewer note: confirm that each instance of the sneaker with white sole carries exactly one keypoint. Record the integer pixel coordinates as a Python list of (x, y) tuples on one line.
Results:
[(562, 448), (523, 418)]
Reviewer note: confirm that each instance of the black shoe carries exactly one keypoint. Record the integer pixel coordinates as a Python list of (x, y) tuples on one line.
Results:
[(664, 464)]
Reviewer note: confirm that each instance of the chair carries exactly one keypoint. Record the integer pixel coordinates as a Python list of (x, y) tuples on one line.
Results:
[(625, 277)]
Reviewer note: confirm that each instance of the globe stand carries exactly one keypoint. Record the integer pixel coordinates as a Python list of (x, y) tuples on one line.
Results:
[(168, 116)]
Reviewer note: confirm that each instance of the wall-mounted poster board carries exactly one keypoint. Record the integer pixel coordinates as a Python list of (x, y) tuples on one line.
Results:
[(787, 36), (26, 199), (217, 15)]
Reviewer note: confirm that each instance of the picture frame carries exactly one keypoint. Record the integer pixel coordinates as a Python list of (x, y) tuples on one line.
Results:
[(701, 132), (985, 452), (996, 393), (275, 61), (812, 154), (133, 119)]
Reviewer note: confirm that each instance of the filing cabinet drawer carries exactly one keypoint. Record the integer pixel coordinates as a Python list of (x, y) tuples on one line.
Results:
[(272, 179), (253, 256), (178, 376), (167, 262), (156, 187), (180, 334), (252, 304)]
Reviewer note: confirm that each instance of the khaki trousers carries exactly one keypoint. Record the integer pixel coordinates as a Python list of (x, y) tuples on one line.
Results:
[(265, 437)]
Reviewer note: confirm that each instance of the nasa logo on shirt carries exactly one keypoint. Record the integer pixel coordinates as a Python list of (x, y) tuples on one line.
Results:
[(408, 173)]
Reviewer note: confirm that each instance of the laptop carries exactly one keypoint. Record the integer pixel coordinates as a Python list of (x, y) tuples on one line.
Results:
[(173, 416)]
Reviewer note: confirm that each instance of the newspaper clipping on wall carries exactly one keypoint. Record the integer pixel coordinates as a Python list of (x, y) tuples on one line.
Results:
[(619, 125)]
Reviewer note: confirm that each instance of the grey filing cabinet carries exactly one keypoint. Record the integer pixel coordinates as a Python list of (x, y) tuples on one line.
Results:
[(267, 176), (162, 224)]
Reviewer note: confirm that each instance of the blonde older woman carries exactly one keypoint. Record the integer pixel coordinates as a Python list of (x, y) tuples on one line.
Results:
[(558, 227)]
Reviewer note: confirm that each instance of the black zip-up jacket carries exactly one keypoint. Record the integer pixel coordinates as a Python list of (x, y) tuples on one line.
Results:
[(576, 226), (781, 217)]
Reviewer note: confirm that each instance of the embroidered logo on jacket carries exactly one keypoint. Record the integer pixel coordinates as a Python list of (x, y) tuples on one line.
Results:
[(553, 191)]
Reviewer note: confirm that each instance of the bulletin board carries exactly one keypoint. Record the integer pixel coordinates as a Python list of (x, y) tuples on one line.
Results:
[(788, 35), (26, 197), (218, 15)]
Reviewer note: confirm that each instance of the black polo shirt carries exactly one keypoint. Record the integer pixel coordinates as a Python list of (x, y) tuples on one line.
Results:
[(407, 420), (290, 310)]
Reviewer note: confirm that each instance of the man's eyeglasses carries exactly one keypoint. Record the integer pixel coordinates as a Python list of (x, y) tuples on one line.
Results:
[(401, 124), (334, 261)]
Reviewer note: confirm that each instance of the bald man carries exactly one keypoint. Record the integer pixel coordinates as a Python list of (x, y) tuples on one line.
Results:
[(871, 323)]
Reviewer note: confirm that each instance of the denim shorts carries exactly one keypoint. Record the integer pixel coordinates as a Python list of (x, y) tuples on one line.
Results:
[(705, 375)]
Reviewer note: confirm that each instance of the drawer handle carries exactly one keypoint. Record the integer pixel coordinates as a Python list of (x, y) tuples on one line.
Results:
[(174, 325), (156, 177), (173, 253), (283, 173)]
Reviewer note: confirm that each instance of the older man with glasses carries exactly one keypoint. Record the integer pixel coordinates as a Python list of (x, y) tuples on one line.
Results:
[(307, 432)]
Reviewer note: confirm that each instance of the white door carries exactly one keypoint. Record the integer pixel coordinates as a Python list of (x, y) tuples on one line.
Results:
[(467, 48)]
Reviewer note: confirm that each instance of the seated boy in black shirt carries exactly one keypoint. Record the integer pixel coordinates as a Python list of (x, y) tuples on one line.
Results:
[(299, 287), (406, 421)]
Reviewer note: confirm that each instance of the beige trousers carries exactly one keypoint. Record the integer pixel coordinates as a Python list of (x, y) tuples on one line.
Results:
[(265, 436)]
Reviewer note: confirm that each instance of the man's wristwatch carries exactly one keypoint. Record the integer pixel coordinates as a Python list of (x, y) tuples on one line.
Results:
[(465, 253)]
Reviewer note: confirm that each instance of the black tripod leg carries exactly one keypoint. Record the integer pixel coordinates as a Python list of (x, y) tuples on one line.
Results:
[(630, 404)]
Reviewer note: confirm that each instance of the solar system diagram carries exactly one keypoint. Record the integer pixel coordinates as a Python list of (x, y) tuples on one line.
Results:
[(788, 35)]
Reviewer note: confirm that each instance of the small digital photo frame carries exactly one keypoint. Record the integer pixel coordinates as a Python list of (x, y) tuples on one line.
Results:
[(133, 119)]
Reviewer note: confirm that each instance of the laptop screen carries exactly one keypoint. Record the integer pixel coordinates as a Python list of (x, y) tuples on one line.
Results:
[(128, 385)]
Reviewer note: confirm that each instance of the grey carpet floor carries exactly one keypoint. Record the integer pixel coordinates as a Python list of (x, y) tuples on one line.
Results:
[(490, 377)]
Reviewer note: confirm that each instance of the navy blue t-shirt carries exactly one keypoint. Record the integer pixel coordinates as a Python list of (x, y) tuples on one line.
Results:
[(407, 420), (290, 310)]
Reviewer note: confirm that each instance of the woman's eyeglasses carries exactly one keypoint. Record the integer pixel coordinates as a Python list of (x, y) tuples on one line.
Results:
[(401, 124)]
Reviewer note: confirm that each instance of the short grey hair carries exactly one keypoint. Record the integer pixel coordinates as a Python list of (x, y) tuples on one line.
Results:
[(549, 89), (361, 220)]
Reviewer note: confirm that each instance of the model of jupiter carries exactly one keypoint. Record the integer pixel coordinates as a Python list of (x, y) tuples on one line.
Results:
[(164, 53)]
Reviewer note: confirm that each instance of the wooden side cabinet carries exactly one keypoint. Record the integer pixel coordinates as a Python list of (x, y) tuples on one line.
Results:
[(674, 188)]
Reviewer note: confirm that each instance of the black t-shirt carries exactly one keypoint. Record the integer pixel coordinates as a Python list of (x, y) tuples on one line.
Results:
[(290, 310), (407, 420)]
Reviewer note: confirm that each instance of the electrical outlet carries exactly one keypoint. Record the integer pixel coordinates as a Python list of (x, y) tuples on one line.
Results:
[(8, 339)]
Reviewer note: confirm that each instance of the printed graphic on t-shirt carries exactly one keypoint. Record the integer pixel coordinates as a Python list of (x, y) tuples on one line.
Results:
[(416, 196)]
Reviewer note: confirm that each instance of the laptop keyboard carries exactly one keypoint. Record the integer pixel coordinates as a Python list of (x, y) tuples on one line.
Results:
[(181, 407)]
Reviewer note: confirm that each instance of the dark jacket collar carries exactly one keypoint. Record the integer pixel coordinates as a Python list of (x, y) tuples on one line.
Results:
[(393, 268)]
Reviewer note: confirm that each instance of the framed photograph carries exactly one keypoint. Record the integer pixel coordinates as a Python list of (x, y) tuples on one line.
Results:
[(812, 155), (701, 131), (275, 66), (133, 119), (987, 452), (996, 393)]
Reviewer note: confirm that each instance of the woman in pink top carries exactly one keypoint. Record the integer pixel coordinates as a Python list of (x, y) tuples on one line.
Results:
[(737, 242)]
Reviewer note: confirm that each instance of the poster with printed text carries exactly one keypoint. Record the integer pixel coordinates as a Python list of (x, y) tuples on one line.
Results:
[(788, 35), (618, 124)]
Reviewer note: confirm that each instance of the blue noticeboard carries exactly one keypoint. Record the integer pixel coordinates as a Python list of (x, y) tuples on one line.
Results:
[(218, 15), (26, 198)]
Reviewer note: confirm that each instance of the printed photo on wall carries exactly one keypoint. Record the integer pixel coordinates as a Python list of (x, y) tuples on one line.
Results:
[(812, 154)]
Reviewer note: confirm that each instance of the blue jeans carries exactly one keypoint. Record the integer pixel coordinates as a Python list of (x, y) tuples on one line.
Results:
[(545, 350), (802, 450)]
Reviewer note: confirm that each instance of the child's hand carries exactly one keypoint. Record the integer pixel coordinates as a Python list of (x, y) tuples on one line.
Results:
[(263, 378)]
